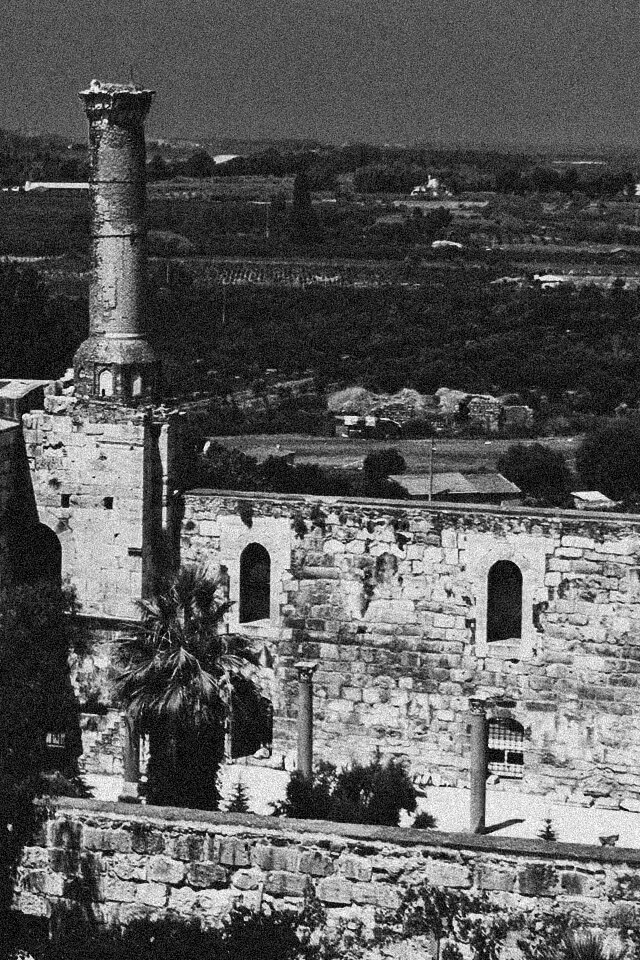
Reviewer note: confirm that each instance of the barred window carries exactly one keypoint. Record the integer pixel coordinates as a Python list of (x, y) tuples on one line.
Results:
[(504, 602), (505, 748)]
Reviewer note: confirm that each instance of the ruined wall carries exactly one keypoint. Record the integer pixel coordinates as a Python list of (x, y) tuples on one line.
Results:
[(88, 464), (391, 600), (121, 862)]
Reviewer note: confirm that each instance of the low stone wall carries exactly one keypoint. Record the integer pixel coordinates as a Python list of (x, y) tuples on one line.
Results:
[(121, 861)]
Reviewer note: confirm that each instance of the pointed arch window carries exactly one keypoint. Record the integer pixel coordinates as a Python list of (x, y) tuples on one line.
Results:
[(255, 584), (504, 602)]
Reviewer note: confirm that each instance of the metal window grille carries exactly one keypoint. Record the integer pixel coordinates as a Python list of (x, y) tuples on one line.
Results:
[(505, 748)]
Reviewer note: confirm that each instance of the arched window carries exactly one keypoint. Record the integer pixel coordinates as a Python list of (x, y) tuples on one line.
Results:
[(505, 748), (105, 383), (136, 383), (504, 602), (255, 584)]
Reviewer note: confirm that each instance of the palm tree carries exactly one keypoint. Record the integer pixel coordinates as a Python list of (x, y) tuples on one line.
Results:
[(176, 680)]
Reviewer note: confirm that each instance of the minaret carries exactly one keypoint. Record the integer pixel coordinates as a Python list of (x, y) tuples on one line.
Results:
[(116, 362)]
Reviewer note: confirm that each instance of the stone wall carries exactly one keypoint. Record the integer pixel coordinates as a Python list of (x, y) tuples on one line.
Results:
[(87, 469), (122, 861), (391, 600)]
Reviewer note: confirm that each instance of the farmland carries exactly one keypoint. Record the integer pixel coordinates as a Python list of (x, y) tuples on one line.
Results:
[(449, 455)]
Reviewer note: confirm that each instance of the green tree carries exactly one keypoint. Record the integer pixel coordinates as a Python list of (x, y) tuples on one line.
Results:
[(38, 631), (303, 220), (538, 470), (176, 681), (608, 459), (382, 463)]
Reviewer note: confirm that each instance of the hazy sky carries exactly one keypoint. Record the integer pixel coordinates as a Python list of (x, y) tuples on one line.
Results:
[(540, 72)]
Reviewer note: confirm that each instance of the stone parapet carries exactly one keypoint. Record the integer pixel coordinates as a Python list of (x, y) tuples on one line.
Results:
[(122, 861)]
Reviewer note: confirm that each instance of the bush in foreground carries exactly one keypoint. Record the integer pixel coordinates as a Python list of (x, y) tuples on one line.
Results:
[(373, 793)]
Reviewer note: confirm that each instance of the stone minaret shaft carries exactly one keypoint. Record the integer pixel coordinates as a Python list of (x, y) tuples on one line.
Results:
[(116, 361)]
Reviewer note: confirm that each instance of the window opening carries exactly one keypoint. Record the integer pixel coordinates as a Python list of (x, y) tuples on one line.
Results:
[(506, 748), (255, 584), (504, 604), (136, 383), (65, 499), (105, 383), (107, 503), (56, 741)]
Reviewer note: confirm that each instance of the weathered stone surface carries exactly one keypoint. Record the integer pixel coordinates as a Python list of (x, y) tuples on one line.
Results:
[(165, 870), (203, 874)]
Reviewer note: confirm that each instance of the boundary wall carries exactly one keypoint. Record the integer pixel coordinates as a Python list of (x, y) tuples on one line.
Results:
[(120, 861)]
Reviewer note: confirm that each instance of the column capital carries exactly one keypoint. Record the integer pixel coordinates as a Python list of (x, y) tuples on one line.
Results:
[(478, 705), (306, 669)]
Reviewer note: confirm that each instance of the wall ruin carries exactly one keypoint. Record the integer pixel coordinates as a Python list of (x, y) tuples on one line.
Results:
[(391, 599)]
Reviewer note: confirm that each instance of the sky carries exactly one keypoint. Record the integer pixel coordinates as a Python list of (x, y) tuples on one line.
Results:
[(542, 74)]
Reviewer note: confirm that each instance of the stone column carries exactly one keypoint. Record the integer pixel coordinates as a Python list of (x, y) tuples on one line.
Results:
[(478, 764), (305, 669), (131, 760)]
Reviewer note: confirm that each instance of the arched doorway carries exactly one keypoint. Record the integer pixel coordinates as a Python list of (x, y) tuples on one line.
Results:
[(255, 584), (504, 602)]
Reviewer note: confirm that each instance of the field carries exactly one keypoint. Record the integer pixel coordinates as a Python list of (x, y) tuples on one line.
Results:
[(449, 454)]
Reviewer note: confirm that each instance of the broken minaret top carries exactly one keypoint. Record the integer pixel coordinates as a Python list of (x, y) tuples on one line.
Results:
[(116, 362)]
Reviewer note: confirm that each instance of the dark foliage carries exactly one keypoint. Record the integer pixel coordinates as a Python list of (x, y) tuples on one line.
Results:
[(37, 634), (381, 463), (176, 679), (41, 330), (608, 460), (539, 471), (548, 832), (372, 793), (226, 469), (424, 821), (244, 934), (239, 801)]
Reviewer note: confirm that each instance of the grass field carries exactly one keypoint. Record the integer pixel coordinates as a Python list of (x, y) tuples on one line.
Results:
[(449, 454)]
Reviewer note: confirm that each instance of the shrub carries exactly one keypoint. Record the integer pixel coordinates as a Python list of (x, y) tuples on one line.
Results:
[(373, 793), (424, 821), (244, 934), (548, 832), (239, 800)]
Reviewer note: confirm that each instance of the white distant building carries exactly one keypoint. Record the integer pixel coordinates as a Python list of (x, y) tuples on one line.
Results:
[(431, 189), (53, 185)]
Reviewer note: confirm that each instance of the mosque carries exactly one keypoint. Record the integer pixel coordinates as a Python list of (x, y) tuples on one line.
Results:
[(417, 614)]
